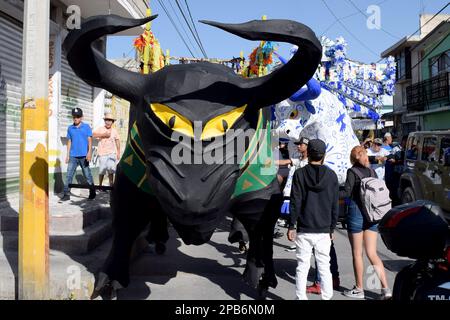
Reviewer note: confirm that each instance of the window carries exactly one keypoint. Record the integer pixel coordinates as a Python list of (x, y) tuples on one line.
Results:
[(444, 62), (434, 66), (439, 63), (401, 65), (444, 153), (412, 148), (429, 149), (404, 97)]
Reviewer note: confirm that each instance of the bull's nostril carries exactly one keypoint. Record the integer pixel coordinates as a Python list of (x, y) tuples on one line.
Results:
[(288, 131)]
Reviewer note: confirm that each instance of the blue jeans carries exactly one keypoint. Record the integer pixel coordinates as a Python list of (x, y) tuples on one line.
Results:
[(74, 162), (357, 222), (333, 264)]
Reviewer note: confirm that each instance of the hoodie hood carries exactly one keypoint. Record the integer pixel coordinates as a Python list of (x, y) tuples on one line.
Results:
[(315, 177)]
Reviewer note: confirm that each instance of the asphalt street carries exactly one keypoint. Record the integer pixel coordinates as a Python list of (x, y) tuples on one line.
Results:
[(213, 271)]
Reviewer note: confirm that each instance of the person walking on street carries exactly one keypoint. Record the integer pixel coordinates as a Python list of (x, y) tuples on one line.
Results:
[(387, 142), (302, 147), (108, 149), (377, 157), (79, 146), (361, 232), (294, 164), (314, 211)]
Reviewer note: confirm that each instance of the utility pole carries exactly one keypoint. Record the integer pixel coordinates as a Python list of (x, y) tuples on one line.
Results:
[(33, 212)]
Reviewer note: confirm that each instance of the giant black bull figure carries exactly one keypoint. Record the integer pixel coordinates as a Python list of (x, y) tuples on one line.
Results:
[(206, 107)]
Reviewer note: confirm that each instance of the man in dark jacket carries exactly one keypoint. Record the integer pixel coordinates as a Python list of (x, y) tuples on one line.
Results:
[(314, 212)]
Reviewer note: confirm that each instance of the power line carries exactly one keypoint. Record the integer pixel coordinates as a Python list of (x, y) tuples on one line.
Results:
[(365, 15), (436, 14), (182, 26), (193, 23), (348, 16), (335, 21), (190, 28), (197, 39), (429, 52), (175, 26), (420, 28), (349, 32), (427, 23)]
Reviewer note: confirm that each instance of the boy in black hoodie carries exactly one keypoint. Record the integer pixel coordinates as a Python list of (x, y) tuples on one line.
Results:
[(314, 212)]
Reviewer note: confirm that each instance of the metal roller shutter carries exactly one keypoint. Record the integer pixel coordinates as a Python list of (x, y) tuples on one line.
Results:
[(74, 93), (10, 105)]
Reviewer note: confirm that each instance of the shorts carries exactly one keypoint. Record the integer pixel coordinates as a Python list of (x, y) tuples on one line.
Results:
[(107, 164), (356, 221)]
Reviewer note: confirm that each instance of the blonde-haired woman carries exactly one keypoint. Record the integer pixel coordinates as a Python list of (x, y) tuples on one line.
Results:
[(361, 232)]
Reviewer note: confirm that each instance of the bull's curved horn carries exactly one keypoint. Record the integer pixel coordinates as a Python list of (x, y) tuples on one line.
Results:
[(285, 81), (90, 64)]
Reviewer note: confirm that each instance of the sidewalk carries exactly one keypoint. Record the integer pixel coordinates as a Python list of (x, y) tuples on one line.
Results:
[(78, 230)]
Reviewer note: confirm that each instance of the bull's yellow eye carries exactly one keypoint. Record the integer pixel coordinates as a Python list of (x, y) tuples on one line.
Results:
[(215, 127), (220, 125), (173, 119), (293, 114)]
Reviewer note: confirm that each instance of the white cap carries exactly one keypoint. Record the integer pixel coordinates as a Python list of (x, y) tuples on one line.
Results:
[(388, 134)]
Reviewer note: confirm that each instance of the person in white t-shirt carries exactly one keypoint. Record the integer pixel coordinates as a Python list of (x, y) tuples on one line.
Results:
[(377, 157), (302, 148)]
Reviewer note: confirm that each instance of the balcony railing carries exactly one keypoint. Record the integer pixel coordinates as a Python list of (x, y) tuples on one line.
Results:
[(421, 95)]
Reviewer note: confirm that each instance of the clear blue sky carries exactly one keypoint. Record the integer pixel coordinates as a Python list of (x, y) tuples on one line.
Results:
[(398, 18)]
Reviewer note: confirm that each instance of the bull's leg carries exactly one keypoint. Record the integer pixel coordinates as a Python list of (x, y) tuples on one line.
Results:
[(259, 271), (158, 232), (132, 210), (268, 222)]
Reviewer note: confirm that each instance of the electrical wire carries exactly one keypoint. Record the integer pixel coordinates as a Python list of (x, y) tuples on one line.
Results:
[(429, 52), (348, 16), (190, 28), (176, 28), (193, 24), (348, 30), (182, 26), (365, 15), (420, 28)]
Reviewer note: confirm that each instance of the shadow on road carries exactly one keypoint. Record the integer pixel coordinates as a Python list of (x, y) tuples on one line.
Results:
[(154, 269)]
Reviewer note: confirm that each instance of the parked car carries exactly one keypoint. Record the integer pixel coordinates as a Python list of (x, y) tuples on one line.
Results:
[(426, 173)]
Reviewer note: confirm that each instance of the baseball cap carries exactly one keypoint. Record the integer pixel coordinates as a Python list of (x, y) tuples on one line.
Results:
[(302, 140), (317, 147), (77, 113), (387, 134), (378, 141)]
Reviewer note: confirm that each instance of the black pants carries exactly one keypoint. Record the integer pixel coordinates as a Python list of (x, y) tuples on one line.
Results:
[(333, 264)]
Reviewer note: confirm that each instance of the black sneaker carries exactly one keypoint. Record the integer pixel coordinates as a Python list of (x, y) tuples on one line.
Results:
[(65, 197), (160, 248), (92, 194)]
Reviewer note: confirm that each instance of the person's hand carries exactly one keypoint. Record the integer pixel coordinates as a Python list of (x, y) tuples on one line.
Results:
[(89, 157), (118, 157), (291, 234), (332, 237), (67, 160)]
